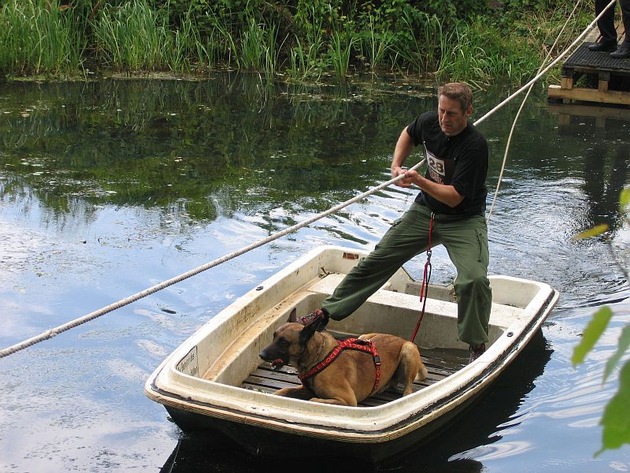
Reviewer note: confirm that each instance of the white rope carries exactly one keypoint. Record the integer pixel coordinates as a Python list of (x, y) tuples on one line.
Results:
[(128, 300), (509, 141)]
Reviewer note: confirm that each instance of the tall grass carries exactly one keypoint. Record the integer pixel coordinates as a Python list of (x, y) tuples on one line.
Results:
[(374, 45), (340, 52), (37, 37), (133, 36), (303, 43), (306, 56), (481, 54), (259, 47), (304, 63), (419, 43)]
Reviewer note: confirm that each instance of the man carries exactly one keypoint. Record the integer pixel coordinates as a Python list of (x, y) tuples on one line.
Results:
[(453, 194), (607, 31)]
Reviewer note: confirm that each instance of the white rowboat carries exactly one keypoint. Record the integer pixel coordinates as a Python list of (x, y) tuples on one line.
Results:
[(215, 380)]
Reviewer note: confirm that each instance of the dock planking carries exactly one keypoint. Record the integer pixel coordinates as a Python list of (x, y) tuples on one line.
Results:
[(593, 77)]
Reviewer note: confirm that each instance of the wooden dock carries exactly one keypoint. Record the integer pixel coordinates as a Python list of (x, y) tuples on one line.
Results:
[(594, 77)]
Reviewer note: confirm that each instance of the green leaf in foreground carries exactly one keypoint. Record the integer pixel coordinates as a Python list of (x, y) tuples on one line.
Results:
[(616, 418), (592, 232), (624, 343), (592, 332)]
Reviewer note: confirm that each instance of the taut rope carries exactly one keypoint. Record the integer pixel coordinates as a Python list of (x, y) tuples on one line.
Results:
[(128, 300), (158, 287), (529, 87)]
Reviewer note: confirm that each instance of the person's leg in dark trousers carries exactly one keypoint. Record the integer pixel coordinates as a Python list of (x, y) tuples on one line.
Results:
[(625, 17), (466, 242), (406, 238), (606, 23)]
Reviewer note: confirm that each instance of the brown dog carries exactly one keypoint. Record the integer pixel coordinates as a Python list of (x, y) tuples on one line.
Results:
[(365, 367)]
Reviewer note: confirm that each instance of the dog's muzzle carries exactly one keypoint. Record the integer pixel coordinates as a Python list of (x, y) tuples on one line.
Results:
[(276, 363)]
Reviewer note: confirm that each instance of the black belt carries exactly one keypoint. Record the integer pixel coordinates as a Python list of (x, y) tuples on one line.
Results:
[(441, 217)]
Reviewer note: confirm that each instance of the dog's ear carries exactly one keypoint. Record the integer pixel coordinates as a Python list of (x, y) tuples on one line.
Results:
[(307, 333), (293, 316)]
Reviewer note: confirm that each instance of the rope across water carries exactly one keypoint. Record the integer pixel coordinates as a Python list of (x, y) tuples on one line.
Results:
[(163, 285), (48, 334)]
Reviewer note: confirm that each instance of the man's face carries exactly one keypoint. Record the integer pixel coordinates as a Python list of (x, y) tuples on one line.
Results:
[(451, 116)]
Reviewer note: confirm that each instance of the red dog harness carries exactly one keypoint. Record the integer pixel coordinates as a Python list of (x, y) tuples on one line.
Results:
[(348, 344)]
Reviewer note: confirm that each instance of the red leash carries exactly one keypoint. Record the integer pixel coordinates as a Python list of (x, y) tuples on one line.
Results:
[(426, 277)]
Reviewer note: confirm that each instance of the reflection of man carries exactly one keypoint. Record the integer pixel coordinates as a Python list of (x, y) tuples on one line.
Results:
[(603, 193), (606, 26), (449, 210)]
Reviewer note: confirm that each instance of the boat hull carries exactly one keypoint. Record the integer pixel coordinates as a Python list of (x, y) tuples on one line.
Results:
[(212, 382)]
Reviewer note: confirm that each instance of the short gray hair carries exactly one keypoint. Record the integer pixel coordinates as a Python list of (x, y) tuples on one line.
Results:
[(459, 91)]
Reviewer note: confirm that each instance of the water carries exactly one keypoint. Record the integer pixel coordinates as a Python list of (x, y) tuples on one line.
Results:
[(108, 188)]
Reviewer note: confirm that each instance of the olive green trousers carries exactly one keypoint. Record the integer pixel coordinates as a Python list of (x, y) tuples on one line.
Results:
[(465, 240)]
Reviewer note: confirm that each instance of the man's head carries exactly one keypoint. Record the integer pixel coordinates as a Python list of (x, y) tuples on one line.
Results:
[(454, 107)]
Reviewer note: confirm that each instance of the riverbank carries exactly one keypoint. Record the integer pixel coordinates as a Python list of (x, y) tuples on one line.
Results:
[(289, 41)]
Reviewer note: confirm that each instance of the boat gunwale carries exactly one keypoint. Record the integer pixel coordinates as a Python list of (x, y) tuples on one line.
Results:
[(470, 379), (412, 422)]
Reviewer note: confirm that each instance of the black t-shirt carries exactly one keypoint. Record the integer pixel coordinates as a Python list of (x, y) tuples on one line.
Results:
[(460, 161)]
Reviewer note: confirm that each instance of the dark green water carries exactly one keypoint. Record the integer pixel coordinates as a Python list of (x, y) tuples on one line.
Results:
[(111, 187)]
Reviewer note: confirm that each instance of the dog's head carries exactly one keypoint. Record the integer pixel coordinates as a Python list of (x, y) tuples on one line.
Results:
[(289, 344)]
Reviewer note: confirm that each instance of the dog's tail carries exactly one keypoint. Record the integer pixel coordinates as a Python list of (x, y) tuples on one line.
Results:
[(422, 373)]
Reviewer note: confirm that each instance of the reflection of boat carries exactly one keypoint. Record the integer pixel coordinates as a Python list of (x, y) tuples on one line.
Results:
[(215, 380)]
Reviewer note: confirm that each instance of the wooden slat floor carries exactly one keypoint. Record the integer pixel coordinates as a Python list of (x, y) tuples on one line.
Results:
[(439, 363)]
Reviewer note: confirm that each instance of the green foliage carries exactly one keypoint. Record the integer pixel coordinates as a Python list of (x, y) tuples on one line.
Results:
[(616, 420), (616, 417), (134, 36), (592, 333), (302, 39), (37, 37)]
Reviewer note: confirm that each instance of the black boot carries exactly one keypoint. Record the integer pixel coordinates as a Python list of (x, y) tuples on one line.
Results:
[(606, 45), (318, 317), (623, 52)]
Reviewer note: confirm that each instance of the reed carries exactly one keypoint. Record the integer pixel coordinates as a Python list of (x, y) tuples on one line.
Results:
[(302, 62), (222, 45), (37, 38), (340, 52), (306, 57), (259, 48), (481, 54), (374, 44), (133, 36), (418, 43), (303, 41)]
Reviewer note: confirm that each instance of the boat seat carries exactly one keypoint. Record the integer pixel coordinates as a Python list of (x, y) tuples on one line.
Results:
[(502, 315)]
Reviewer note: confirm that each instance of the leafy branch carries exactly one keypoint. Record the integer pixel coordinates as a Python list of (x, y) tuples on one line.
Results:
[(616, 417)]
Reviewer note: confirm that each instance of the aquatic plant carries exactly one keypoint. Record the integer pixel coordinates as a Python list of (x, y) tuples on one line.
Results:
[(299, 40), (37, 37)]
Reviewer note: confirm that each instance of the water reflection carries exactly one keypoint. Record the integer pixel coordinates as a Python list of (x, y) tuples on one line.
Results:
[(191, 147), (107, 188), (604, 137)]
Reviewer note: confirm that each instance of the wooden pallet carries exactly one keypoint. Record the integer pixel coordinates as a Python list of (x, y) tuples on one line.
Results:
[(589, 76), (439, 363)]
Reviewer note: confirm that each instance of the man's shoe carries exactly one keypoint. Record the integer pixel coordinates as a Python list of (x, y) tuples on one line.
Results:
[(318, 317), (604, 45), (476, 351), (622, 52)]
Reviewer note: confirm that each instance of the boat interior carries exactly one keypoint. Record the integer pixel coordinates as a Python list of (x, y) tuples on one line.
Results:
[(229, 354)]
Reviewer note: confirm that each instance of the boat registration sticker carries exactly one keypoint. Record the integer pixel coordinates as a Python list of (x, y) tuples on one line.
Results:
[(189, 364)]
